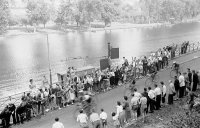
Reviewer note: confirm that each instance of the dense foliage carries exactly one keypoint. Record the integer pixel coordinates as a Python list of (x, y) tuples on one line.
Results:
[(38, 12), (4, 15), (84, 12)]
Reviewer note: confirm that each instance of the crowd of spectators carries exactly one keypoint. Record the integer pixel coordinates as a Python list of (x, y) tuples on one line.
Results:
[(148, 101), (49, 97)]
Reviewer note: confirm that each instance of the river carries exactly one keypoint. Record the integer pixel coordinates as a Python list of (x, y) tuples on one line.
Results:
[(26, 56)]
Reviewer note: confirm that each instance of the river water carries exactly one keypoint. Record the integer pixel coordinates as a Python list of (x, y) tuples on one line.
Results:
[(26, 56)]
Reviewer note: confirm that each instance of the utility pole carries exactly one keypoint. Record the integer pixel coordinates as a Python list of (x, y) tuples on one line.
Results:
[(50, 76)]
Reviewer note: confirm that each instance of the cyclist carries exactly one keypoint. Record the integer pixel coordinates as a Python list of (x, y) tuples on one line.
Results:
[(153, 72), (175, 66), (132, 86), (87, 102)]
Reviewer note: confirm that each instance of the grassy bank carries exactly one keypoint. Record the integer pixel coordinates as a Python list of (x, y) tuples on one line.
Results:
[(171, 116)]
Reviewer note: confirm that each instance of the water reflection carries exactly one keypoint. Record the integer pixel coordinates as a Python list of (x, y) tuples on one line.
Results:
[(29, 52)]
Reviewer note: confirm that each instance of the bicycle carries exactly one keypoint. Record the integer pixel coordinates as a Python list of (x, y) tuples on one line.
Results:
[(152, 79), (86, 107), (129, 90), (174, 72)]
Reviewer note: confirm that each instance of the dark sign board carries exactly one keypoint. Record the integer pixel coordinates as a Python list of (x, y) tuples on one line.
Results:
[(114, 53), (104, 63)]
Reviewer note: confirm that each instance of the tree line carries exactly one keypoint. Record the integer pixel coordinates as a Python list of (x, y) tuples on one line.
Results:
[(84, 12)]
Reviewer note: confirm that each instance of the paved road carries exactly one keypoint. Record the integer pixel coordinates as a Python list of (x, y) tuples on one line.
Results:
[(106, 100)]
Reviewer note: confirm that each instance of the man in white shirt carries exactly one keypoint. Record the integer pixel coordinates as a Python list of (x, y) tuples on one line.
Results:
[(157, 91), (57, 124), (103, 117), (151, 95), (164, 90), (182, 85), (137, 94), (82, 119), (95, 119), (90, 82)]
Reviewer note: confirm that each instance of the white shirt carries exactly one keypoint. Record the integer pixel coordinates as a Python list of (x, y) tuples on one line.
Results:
[(103, 116), (137, 94), (181, 80), (58, 125), (143, 101), (151, 94), (115, 117), (135, 100), (94, 117), (82, 118), (157, 91), (119, 109), (164, 89)]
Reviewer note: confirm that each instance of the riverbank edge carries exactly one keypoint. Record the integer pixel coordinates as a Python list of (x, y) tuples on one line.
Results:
[(15, 31)]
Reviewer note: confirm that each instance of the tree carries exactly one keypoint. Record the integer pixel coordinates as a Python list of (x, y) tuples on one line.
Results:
[(4, 15), (109, 12), (38, 12), (64, 14), (25, 22)]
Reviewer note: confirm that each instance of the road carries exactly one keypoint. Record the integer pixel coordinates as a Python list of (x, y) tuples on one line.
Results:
[(107, 100)]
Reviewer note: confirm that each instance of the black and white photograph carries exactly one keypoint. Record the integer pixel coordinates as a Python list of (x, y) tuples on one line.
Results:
[(99, 63)]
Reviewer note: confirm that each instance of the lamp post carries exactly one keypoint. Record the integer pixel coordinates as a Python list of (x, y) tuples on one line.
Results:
[(50, 76)]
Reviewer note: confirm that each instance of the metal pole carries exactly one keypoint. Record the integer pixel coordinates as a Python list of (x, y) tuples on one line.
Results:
[(50, 76), (109, 50)]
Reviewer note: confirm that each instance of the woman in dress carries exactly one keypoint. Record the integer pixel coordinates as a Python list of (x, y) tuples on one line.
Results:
[(127, 109), (143, 105), (115, 120), (120, 113)]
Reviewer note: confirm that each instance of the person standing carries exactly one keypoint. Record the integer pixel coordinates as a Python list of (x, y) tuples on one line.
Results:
[(57, 124), (145, 94), (189, 76), (177, 86), (137, 94), (103, 117), (164, 91), (195, 81), (117, 76), (135, 105), (82, 119), (90, 82), (182, 85), (95, 119), (145, 62), (120, 113), (127, 109), (157, 91), (115, 120), (143, 103), (171, 92), (151, 95)]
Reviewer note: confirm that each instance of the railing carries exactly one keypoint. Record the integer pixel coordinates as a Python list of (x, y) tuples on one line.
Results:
[(3, 101)]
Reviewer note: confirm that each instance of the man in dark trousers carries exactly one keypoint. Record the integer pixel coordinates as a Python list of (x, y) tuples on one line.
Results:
[(189, 76), (177, 86), (152, 99), (195, 80), (157, 92), (117, 76), (145, 62)]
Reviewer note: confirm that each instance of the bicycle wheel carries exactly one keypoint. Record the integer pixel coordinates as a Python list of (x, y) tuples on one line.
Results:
[(149, 82), (156, 78), (173, 73), (127, 92)]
